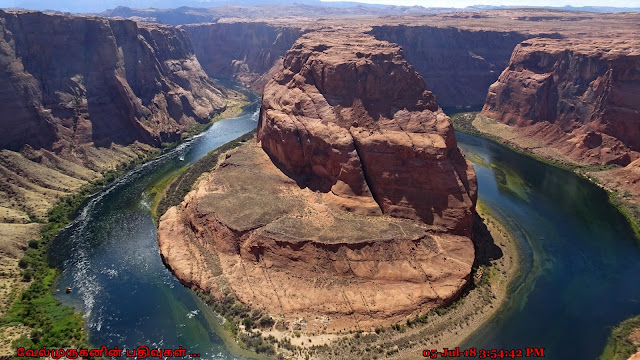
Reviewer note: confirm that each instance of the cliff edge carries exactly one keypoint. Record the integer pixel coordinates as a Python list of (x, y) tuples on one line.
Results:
[(78, 80), (577, 96)]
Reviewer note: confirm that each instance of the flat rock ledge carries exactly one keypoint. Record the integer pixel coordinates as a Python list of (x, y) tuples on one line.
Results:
[(249, 230)]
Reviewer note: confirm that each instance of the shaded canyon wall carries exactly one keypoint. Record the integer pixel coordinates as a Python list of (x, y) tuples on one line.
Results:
[(243, 51), (74, 80), (457, 65)]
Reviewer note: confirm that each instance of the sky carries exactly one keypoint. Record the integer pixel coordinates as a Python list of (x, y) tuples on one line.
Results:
[(100, 5), (465, 3)]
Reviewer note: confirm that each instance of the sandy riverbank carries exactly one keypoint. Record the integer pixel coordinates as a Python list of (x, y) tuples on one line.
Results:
[(482, 302)]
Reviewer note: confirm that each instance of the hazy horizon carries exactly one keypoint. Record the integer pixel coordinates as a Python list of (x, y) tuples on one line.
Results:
[(101, 5), (467, 3)]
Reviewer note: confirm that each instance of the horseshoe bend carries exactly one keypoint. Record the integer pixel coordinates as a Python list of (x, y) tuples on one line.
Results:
[(353, 206)]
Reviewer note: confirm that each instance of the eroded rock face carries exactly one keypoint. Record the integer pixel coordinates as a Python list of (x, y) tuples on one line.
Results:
[(249, 231), (72, 80), (458, 65), (353, 211), (349, 116), (579, 96), (243, 51)]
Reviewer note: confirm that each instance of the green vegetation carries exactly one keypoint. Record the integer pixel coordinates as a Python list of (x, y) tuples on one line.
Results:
[(173, 189), (237, 313), (158, 190), (619, 346), (463, 122), (52, 324)]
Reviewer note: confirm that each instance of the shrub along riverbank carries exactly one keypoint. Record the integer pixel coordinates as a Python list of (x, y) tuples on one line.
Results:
[(51, 323), (619, 345)]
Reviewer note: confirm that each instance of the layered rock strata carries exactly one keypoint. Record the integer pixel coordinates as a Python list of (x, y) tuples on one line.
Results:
[(243, 51), (73, 80), (352, 211), (578, 96), (82, 95), (349, 116)]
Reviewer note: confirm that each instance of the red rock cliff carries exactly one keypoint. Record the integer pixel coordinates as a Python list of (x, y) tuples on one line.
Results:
[(458, 65), (580, 96), (74, 80), (347, 114), (243, 51)]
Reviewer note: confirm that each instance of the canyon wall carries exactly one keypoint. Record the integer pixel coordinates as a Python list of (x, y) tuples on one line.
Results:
[(243, 51), (458, 65), (80, 96), (578, 96), (74, 80)]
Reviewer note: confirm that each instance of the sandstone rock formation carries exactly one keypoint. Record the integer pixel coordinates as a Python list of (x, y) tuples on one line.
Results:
[(353, 211), (458, 65), (74, 80), (578, 96), (353, 116), (249, 231), (242, 50)]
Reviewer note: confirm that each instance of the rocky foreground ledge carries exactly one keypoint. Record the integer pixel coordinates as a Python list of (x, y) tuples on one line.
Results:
[(354, 208)]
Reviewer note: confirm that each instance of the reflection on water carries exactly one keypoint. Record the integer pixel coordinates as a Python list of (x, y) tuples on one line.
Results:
[(109, 256), (581, 263)]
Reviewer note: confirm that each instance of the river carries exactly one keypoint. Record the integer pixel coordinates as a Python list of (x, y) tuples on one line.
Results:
[(579, 273), (580, 261), (109, 256)]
